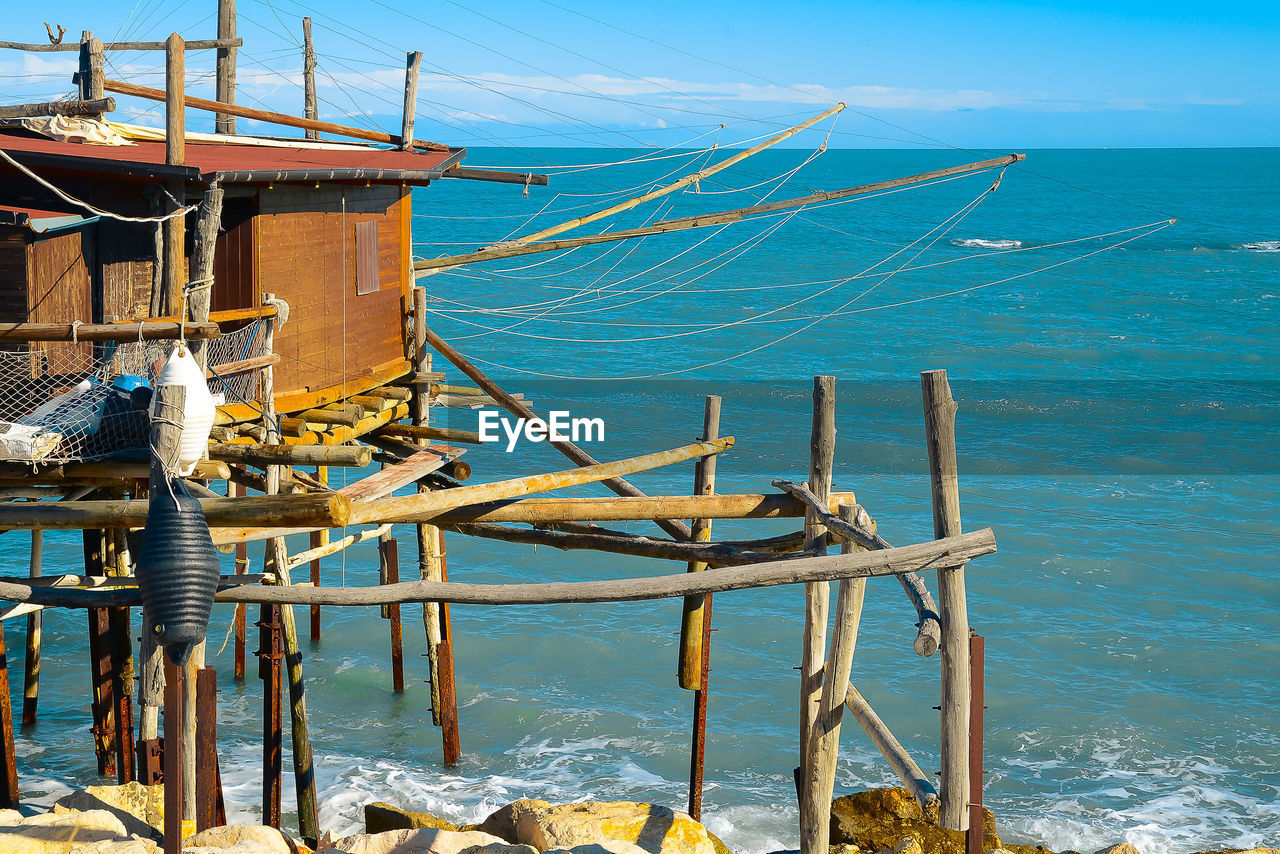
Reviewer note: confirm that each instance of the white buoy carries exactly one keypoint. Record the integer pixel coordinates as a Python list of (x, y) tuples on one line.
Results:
[(198, 413)]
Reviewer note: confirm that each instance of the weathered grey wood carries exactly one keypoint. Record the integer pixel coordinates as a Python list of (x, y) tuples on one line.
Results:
[(188, 686), (95, 107), (66, 47), (335, 546), (940, 439), (208, 221), (824, 742), (166, 434), (817, 595), (310, 108), (859, 530), (614, 542), (412, 63), (277, 561), (422, 431), (915, 780), (919, 557), (689, 666), (225, 65)]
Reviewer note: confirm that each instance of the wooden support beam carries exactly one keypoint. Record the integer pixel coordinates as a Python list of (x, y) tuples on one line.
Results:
[(66, 47), (417, 431), (390, 555), (645, 508), (122, 88), (225, 65), (498, 176), (103, 694), (315, 510), (824, 741), (334, 414), (208, 776), (96, 107), (323, 550), (940, 440), (859, 528), (123, 332), (200, 289), (176, 273), (241, 615), (689, 665), (122, 663), (357, 456), (173, 806), (317, 540), (822, 446), (952, 551), (31, 679), (310, 105), (915, 780), (270, 655), (412, 63)]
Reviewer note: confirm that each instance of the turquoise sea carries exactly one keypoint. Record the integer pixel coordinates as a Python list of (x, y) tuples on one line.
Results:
[(1119, 429)]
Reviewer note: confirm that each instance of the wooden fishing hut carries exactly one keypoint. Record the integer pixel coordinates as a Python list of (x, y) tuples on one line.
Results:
[(286, 266)]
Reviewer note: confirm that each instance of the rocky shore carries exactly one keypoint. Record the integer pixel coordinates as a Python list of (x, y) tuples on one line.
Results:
[(130, 819)]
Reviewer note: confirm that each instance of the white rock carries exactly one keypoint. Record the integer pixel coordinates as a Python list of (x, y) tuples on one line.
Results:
[(251, 839), (59, 834), (425, 840)]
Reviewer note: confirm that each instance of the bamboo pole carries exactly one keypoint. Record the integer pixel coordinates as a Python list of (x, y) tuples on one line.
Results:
[(824, 742), (694, 178), (225, 86), (940, 439), (689, 669), (619, 485), (915, 780), (31, 680), (822, 445), (122, 88), (507, 249), (310, 106), (934, 554), (412, 64)]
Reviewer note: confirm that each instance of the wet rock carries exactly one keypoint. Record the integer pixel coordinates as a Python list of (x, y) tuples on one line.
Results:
[(426, 840), (59, 833), (241, 839), (140, 808), (884, 818), (502, 823), (651, 828), (380, 817)]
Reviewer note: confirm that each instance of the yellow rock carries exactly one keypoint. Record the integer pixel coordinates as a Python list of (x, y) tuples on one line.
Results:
[(140, 808), (654, 829), (57, 834), (380, 817)]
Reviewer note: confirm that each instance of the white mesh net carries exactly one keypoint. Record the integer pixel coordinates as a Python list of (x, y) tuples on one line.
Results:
[(61, 402)]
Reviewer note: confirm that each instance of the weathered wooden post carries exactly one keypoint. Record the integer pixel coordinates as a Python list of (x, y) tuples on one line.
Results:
[(824, 741), (91, 77), (241, 567), (277, 562), (31, 679), (225, 88), (391, 561), (103, 705), (175, 262), (210, 811), (122, 672), (173, 789), (940, 439), (977, 663), (822, 446), (310, 109), (412, 64), (695, 624), (200, 290), (318, 539)]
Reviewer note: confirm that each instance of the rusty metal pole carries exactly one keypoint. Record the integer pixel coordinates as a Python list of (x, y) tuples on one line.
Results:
[(391, 558), (8, 758), (242, 566), (449, 728), (172, 756), (270, 653), (318, 538), (977, 668), (210, 810), (103, 704)]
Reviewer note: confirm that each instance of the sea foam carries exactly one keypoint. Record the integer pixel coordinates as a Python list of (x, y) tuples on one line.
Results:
[(985, 243), (1259, 246)]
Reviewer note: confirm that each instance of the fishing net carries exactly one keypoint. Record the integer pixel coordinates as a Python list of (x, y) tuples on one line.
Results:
[(63, 402)]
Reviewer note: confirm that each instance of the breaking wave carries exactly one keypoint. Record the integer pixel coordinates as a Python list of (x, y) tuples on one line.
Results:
[(984, 243), (1259, 246)]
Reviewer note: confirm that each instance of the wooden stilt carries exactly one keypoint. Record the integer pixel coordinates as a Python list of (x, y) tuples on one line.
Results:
[(242, 566), (122, 674), (824, 741), (309, 103), (391, 560), (412, 63), (225, 87), (172, 757), (319, 539), (698, 754), (31, 678), (822, 441), (175, 261), (208, 223), (8, 758), (940, 439), (189, 708), (429, 536)]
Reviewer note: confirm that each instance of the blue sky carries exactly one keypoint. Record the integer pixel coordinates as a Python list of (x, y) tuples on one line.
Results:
[(567, 72)]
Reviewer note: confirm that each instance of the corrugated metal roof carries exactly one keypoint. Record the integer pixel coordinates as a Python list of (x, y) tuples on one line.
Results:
[(233, 163)]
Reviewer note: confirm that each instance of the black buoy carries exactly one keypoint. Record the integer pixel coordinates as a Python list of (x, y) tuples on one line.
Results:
[(178, 570)]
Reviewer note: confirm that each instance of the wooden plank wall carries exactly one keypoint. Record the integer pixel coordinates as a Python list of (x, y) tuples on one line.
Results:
[(126, 253), (307, 255), (59, 290)]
